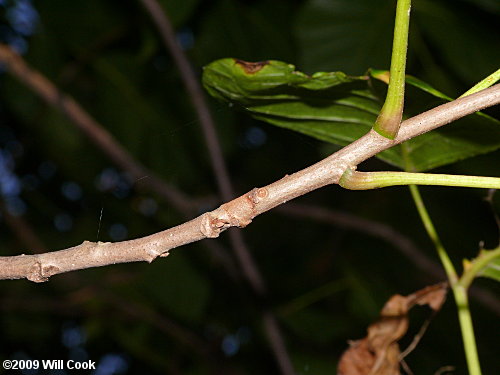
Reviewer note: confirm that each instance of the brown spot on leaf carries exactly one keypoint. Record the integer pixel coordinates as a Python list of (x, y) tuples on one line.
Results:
[(251, 67)]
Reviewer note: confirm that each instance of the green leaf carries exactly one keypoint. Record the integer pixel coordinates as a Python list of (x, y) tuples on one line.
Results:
[(176, 286), (486, 264), (467, 137), (314, 362), (77, 25), (338, 108), (349, 35), (491, 266), (330, 106), (242, 29), (383, 75), (441, 25), (267, 80), (356, 34), (179, 11), (315, 325)]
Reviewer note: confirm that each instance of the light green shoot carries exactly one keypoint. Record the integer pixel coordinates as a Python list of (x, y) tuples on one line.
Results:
[(353, 180), (457, 285), (484, 84), (389, 119), (387, 125)]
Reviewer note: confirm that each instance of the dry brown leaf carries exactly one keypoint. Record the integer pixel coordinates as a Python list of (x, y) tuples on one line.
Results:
[(378, 353)]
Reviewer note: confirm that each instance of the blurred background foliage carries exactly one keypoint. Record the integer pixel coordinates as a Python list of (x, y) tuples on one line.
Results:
[(187, 314)]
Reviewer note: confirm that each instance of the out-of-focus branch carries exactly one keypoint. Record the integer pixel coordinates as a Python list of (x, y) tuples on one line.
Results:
[(243, 254), (238, 212), (22, 231), (92, 129), (196, 95), (106, 143), (164, 324), (383, 231), (370, 227), (241, 211)]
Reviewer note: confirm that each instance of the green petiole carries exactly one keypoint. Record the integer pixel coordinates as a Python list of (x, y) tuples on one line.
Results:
[(451, 273), (484, 84), (353, 180), (467, 328), (472, 269), (389, 119), (457, 286)]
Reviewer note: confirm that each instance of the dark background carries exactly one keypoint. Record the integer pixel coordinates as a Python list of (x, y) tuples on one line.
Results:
[(190, 313)]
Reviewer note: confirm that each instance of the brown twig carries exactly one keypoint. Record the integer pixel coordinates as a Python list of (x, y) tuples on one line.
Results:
[(205, 118), (238, 212), (243, 254), (91, 128), (241, 211), (28, 237), (103, 140)]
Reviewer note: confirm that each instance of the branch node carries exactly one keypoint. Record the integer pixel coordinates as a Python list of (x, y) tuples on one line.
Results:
[(347, 179), (257, 194), (239, 212), (39, 274), (211, 226), (152, 252)]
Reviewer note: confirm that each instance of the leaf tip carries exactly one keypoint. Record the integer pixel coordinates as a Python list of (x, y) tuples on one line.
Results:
[(381, 75)]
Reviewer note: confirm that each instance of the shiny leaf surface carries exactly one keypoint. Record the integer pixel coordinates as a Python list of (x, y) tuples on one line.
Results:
[(338, 108)]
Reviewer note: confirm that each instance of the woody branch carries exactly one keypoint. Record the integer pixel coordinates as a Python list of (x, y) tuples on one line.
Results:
[(241, 211)]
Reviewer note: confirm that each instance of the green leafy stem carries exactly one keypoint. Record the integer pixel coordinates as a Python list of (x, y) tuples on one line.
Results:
[(338, 108), (487, 264), (389, 119), (484, 84), (354, 180)]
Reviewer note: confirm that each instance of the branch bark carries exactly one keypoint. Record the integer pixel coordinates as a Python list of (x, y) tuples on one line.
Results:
[(240, 249), (241, 211), (167, 33), (92, 129)]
